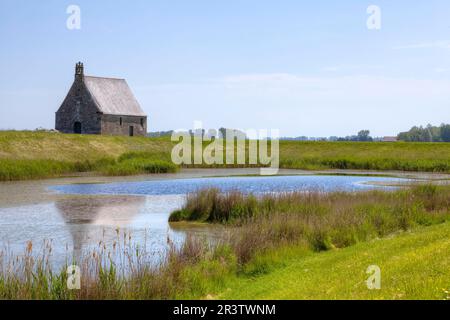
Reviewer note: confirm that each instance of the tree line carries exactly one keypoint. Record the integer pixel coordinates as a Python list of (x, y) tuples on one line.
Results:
[(415, 134), (426, 134)]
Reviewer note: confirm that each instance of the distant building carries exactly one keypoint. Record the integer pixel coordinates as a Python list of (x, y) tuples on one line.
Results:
[(97, 105), (389, 139)]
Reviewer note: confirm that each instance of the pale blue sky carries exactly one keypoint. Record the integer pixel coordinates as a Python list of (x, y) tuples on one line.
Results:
[(304, 67)]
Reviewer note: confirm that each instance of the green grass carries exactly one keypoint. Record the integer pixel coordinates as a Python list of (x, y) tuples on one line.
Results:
[(288, 246), (434, 157), (132, 163), (318, 246), (414, 265), (33, 155)]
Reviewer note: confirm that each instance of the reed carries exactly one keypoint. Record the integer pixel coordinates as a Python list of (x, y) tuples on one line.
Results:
[(258, 232), (321, 220)]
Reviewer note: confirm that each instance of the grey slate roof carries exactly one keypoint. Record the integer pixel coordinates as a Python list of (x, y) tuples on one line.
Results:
[(113, 96)]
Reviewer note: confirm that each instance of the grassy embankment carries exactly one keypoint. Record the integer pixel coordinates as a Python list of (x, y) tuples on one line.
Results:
[(279, 246), (414, 265), (33, 155)]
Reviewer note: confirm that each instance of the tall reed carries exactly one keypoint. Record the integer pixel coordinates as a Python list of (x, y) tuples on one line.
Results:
[(314, 221)]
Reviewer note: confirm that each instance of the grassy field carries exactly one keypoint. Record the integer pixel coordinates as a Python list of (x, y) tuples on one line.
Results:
[(366, 155), (289, 246), (414, 265), (33, 155)]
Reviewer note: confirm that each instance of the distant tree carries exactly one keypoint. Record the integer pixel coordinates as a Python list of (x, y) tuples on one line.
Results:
[(414, 134), (428, 134), (445, 132), (435, 133), (222, 133), (364, 135), (403, 136)]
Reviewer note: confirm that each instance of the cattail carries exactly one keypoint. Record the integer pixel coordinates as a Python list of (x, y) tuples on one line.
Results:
[(29, 247)]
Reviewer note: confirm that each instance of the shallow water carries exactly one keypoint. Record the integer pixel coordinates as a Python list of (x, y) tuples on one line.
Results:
[(86, 215), (243, 184)]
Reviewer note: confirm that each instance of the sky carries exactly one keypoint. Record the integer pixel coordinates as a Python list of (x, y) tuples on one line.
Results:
[(310, 68)]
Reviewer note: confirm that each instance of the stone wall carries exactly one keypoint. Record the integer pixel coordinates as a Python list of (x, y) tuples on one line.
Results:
[(120, 125), (78, 106)]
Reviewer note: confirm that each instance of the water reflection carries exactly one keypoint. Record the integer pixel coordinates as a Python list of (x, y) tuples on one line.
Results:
[(76, 225), (107, 211), (84, 216)]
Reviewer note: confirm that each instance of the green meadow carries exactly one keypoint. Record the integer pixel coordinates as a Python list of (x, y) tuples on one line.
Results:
[(33, 155), (414, 265), (404, 156)]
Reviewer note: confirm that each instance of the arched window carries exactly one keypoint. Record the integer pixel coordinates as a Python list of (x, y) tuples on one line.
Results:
[(142, 122), (120, 121)]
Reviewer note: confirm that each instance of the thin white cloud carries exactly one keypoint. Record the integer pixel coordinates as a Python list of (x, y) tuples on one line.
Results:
[(441, 70), (347, 68), (345, 86), (443, 44)]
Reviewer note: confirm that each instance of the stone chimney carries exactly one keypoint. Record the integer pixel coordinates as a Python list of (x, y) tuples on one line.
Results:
[(79, 71)]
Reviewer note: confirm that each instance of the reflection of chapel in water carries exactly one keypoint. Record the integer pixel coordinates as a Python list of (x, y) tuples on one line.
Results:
[(94, 219)]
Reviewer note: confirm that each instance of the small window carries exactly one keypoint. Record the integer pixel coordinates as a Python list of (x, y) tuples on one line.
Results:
[(120, 120), (142, 122)]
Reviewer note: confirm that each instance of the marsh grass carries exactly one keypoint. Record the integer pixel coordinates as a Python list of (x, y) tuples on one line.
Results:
[(25, 169), (320, 220), (132, 163), (121, 271), (280, 224)]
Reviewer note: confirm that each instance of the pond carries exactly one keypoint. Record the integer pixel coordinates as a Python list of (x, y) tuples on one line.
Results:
[(252, 184), (82, 216)]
